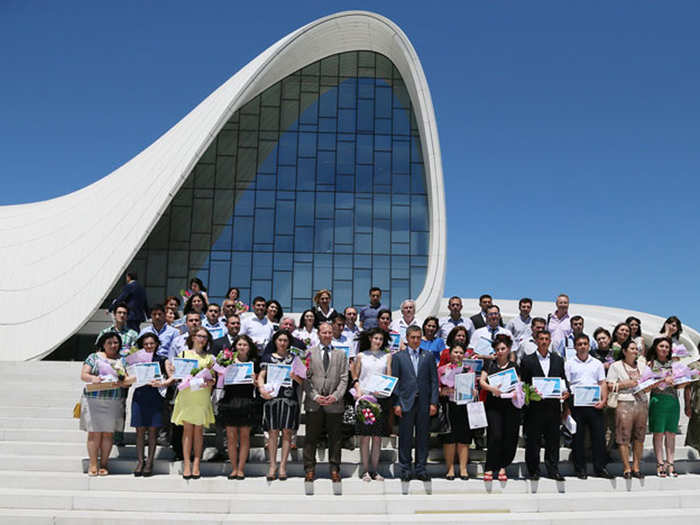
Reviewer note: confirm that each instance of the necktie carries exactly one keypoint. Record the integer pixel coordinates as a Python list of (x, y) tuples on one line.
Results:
[(326, 358), (493, 333)]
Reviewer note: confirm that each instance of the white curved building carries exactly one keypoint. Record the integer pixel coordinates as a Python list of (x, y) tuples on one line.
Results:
[(317, 165)]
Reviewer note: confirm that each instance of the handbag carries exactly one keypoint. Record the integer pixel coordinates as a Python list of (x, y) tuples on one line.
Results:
[(612, 396), (349, 416), (440, 422), (76, 410)]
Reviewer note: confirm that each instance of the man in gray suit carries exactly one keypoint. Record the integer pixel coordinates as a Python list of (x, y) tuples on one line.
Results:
[(415, 400), (325, 385)]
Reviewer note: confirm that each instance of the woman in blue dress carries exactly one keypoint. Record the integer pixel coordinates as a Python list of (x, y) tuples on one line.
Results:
[(430, 341)]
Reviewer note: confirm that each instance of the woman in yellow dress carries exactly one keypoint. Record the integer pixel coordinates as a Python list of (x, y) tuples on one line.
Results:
[(193, 408)]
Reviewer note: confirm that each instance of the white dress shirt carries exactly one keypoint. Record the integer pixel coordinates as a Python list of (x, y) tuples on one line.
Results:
[(520, 328), (544, 362), (487, 333), (400, 325), (259, 330), (589, 372), (447, 324)]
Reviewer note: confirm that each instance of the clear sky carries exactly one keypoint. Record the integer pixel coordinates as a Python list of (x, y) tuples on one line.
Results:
[(570, 132)]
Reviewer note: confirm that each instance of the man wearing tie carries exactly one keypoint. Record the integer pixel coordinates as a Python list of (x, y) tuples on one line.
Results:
[(543, 417), (415, 400), (481, 339), (325, 385)]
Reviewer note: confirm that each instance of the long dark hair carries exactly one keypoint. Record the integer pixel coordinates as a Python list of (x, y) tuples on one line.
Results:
[(280, 312), (364, 339), (639, 323), (188, 305), (302, 324), (651, 353), (198, 282), (672, 319), (252, 347), (614, 334)]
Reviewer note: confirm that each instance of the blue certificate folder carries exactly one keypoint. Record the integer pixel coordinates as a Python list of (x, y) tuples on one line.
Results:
[(548, 387), (475, 364), (586, 395), (239, 374)]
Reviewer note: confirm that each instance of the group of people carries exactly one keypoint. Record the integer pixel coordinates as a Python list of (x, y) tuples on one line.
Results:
[(333, 359)]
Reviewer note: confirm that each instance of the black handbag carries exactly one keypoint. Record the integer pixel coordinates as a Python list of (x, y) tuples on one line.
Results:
[(440, 422)]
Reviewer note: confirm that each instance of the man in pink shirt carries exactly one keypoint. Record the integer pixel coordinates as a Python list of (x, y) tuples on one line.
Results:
[(558, 323)]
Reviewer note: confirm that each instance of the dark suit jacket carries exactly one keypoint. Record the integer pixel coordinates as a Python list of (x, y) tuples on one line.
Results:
[(222, 343), (530, 367), (134, 295), (425, 384), (479, 322)]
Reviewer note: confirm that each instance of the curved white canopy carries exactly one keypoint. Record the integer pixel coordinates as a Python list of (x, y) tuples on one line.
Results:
[(61, 257)]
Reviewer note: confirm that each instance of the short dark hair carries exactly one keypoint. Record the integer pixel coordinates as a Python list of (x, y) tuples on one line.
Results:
[(576, 318), (582, 336), (173, 298), (340, 316), (258, 299), (538, 320), (107, 335), (453, 298), (546, 332), (277, 335), (233, 315), (502, 338), (601, 330), (121, 305), (485, 296), (345, 312), (158, 308), (213, 304), (303, 314), (131, 274), (413, 328), (375, 289), (524, 300), (384, 311), (625, 345), (457, 345), (142, 339), (494, 306)]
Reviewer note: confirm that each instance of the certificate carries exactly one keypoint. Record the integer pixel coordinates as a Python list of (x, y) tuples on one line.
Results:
[(483, 346), (381, 385), (548, 387), (646, 384), (475, 364), (279, 375), (477, 415), (394, 340), (505, 380), (183, 367), (239, 374), (464, 388), (679, 350), (345, 349), (586, 396), (684, 379), (144, 373)]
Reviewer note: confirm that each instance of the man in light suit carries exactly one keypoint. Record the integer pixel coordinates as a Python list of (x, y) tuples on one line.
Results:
[(415, 400), (325, 385)]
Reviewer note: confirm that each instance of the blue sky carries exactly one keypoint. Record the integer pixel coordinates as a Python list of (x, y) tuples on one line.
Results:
[(569, 132)]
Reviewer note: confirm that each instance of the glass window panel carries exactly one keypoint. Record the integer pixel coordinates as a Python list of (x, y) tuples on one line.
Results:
[(400, 223), (283, 262), (419, 243), (342, 294), (157, 264), (380, 278), (401, 123), (261, 288), (365, 115), (329, 65), (287, 148), (290, 87), (286, 178), (363, 215), (282, 289), (417, 281), (306, 174), (400, 249), (365, 87), (302, 281), (269, 118), (382, 207), (419, 213), (328, 104), (363, 178), (226, 142), (343, 248), (223, 239), (399, 291), (347, 94), (284, 243), (309, 109), (204, 176), (262, 265), (382, 125), (384, 67), (245, 202), (324, 205), (220, 255), (344, 182), (289, 115), (346, 120), (219, 275), (342, 266), (202, 215), (346, 158), (263, 226), (400, 183), (365, 144), (383, 102), (417, 178), (303, 239), (326, 167), (344, 201), (303, 257), (241, 268), (305, 209), (399, 266), (284, 218), (323, 270), (327, 124), (348, 64), (323, 242), (307, 144), (326, 141), (343, 224), (381, 236), (243, 233), (400, 159), (271, 96), (382, 167), (225, 172), (362, 261), (264, 199), (177, 263), (361, 282)]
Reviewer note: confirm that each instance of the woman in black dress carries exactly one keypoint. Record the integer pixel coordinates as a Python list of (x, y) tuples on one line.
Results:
[(237, 409), (503, 418)]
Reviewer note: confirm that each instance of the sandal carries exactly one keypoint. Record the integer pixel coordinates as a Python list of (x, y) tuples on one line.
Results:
[(377, 477), (502, 476), (660, 471), (671, 470), (103, 472), (92, 472), (488, 476), (366, 477)]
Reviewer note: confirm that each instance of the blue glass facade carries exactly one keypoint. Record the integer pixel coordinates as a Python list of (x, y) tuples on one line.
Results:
[(318, 182)]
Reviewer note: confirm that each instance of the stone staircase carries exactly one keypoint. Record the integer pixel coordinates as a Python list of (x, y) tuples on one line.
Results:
[(43, 464)]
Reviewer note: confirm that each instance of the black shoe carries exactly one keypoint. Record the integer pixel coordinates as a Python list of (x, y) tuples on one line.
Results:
[(423, 476), (195, 476), (603, 473), (534, 476), (406, 477), (637, 474), (450, 478), (580, 474), (556, 476), (186, 477)]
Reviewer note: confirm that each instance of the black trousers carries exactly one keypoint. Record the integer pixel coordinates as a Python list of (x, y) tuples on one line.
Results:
[(502, 435), (593, 419), (542, 420), (317, 422), (416, 420)]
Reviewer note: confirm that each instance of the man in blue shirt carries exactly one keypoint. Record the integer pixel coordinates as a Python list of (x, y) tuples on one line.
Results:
[(166, 333), (368, 314)]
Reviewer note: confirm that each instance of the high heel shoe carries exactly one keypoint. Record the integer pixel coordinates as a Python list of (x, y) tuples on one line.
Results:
[(138, 471), (148, 470)]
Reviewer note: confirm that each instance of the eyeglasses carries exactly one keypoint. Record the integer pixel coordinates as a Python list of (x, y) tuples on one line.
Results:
[(201, 336)]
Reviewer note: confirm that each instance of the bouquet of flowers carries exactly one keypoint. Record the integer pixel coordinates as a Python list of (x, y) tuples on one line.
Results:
[(679, 350), (198, 376), (136, 355), (226, 357), (110, 372), (684, 374), (616, 351), (530, 394), (240, 307), (299, 368), (185, 294), (367, 410), (447, 374)]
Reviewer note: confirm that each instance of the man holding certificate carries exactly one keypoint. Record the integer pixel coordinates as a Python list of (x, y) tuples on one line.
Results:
[(543, 371), (415, 400), (325, 385), (586, 376)]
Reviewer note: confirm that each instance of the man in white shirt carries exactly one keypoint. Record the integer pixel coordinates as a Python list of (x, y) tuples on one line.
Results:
[(585, 370), (529, 345), (447, 324), (558, 323), (258, 327), (566, 346), (228, 307), (351, 329), (212, 323), (519, 326), (340, 340), (481, 339), (408, 318), (193, 321)]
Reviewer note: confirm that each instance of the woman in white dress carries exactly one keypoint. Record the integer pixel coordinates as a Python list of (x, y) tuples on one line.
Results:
[(307, 329), (374, 358)]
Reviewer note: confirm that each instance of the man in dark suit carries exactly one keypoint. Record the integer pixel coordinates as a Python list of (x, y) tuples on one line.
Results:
[(543, 418), (325, 385), (134, 296), (233, 326), (479, 320), (415, 400)]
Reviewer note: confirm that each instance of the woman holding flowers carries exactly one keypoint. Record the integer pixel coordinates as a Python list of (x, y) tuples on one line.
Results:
[(631, 411), (147, 407), (459, 438), (373, 359), (307, 329), (664, 408), (102, 412), (237, 407), (280, 409), (193, 408)]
